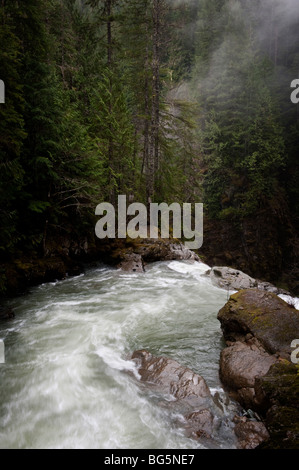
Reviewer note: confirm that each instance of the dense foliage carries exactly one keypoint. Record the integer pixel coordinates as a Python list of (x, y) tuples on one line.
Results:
[(162, 100)]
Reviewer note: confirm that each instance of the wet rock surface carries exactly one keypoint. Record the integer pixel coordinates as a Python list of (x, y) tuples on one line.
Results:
[(204, 416), (250, 433), (256, 367), (132, 263), (149, 251), (171, 377), (234, 279), (240, 364), (190, 395), (268, 318)]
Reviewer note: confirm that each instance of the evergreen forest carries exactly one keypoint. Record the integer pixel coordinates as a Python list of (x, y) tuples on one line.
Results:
[(160, 100)]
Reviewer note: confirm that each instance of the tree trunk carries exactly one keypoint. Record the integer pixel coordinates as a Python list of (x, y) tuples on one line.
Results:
[(108, 8), (153, 157)]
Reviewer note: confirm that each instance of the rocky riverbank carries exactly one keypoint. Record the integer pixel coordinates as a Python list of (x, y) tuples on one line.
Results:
[(258, 326), (66, 256), (256, 367)]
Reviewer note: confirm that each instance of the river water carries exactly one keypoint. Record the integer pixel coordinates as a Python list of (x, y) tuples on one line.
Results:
[(65, 381)]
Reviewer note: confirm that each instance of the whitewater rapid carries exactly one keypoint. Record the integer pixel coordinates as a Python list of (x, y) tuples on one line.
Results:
[(67, 381)]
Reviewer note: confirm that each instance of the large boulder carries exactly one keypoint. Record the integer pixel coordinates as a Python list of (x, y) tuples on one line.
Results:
[(273, 322), (240, 364)]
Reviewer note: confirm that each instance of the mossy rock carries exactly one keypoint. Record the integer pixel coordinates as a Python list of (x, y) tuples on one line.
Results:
[(263, 314)]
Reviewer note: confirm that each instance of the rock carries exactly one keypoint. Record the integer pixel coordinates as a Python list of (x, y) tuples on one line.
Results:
[(153, 250), (190, 393), (240, 364), (203, 414), (268, 318), (259, 328), (128, 253), (134, 254), (231, 278), (172, 378), (268, 287), (132, 263), (201, 424), (250, 433)]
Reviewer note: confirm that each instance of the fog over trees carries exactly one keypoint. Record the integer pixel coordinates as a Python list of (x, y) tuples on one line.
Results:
[(159, 100)]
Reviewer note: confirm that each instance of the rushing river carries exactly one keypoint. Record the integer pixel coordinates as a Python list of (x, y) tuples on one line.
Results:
[(65, 381)]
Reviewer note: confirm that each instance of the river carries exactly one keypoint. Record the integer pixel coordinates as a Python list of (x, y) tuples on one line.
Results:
[(65, 381)]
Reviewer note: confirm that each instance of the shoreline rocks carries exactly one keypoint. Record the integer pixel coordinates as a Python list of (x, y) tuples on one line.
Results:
[(131, 253), (64, 256), (255, 366)]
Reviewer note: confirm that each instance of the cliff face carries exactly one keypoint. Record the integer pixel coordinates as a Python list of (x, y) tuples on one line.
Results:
[(265, 246)]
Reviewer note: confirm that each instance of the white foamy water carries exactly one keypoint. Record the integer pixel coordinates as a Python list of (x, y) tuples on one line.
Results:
[(294, 301), (67, 381)]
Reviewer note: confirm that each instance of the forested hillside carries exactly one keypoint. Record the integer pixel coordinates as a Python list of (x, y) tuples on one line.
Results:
[(174, 101)]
